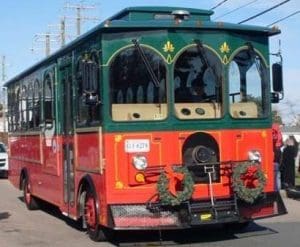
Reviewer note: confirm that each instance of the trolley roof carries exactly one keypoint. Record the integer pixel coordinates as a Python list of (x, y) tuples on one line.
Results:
[(153, 18)]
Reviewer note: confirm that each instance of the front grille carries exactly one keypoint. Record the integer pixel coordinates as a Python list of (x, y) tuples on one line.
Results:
[(138, 216), (2, 162)]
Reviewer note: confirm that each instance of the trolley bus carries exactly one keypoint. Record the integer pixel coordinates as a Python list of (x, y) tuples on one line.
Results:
[(158, 118)]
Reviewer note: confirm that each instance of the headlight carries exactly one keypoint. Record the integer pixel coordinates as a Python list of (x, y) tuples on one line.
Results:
[(254, 155), (139, 162)]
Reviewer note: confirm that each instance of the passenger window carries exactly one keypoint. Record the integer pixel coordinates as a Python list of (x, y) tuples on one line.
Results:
[(88, 90), (36, 111), (17, 110), (11, 108), (30, 96), (49, 109)]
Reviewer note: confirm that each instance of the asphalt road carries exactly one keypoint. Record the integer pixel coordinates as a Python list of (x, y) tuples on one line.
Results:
[(20, 227)]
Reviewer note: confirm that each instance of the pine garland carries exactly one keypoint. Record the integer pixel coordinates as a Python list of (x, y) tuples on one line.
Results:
[(244, 192), (166, 197)]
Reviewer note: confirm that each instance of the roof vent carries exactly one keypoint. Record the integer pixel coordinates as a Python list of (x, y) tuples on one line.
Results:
[(181, 14)]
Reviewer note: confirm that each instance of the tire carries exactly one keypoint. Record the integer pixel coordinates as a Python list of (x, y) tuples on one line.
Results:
[(29, 200), (3, 174), (95, 231)]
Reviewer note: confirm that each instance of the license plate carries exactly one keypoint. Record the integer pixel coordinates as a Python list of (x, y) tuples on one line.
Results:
[(137, 146)]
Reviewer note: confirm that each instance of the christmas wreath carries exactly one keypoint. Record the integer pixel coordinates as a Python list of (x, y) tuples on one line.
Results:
[(175, 186), (248, 182)]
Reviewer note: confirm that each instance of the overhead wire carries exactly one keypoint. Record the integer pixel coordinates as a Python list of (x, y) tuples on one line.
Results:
[(263, 12), (219, 4), (236, 9), (284, 18)]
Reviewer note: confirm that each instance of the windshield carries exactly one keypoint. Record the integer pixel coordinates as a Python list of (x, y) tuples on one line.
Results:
[(248, 83), (138, 84), (134, 94), (198, 84)]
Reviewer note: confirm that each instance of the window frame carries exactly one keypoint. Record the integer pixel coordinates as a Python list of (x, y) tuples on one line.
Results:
[(264, 88), (88, 92), (137, 110), (201, 111), (49, 118)]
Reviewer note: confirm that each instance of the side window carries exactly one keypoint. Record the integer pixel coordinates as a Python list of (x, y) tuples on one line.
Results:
[(138, 92), (49, 114), (30, 95), (17, 110), (248, 85), (36, 105), (11, 108), (88, 90)]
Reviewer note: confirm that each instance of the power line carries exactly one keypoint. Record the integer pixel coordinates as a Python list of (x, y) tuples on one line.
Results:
[(263, 12), (284, 18), (219, 4), (236, 9), (62, 30), (79, 18), (46, 38)]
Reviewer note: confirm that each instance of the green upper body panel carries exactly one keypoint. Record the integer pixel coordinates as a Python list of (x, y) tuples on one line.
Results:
[(168, 32), (143, 17)]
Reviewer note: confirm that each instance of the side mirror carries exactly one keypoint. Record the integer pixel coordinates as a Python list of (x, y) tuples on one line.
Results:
[(277, 77)]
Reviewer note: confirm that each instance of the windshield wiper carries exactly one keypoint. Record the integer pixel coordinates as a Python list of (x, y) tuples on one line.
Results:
[(146, 62), (254, 58), (203, 58)]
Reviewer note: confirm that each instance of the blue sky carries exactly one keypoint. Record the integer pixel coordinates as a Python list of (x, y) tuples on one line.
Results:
[(21, 20)]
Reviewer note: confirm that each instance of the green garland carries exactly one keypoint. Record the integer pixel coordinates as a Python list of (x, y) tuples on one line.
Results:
[(166, 197), (248, 195)]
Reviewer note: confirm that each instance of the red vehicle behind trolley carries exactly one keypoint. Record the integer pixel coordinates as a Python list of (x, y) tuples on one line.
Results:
[(111, 130)]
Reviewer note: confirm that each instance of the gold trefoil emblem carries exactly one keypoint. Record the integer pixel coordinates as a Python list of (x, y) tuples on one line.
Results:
[(224, 48), (168, 47)]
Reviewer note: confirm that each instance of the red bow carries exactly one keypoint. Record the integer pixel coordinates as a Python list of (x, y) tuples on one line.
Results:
[(175, 179), (250, 178)]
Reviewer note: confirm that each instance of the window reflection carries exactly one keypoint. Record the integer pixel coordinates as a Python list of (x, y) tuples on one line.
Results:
[(133, 94), (197, 79), (36, 105), (247, 85), (88, 92)]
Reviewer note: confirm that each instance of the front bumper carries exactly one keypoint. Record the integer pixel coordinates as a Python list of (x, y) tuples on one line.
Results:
[(193, 214)]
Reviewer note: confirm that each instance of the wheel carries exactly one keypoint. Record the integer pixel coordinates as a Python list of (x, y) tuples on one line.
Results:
[(95, 231), (30, 201)]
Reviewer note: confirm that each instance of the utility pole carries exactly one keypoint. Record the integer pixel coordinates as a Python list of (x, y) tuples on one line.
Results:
[(63, 31), (3, 69), (61, 36), (79, 17), (3, 92), (47, 39)]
